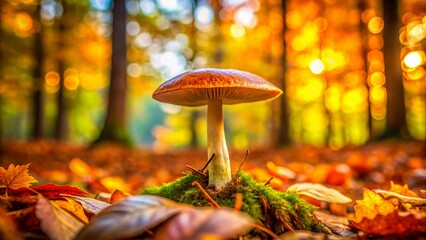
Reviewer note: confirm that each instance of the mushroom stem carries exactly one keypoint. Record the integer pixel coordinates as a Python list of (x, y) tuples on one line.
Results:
[(219, 168)]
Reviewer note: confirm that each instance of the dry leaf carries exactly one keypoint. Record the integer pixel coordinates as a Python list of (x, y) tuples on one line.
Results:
[(56, 222), (48, 190), (319, 192), (413, 201), (8, 229), (373, 204), (224, 223), (403, 190), (80, 168), (130, 217), (16, 177), (72, 207), (395, 223), (117, 195), (89, 204)]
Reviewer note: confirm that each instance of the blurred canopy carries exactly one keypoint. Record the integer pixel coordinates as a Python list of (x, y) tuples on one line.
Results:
[(329, 55)]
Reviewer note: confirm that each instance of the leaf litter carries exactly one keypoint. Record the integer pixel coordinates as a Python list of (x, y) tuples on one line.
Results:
[(368, 171)]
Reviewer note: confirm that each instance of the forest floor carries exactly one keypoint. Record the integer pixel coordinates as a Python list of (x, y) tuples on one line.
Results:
[(350, 170)]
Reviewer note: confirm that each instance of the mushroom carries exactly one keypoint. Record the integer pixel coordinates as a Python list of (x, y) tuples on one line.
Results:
[(214, 87)]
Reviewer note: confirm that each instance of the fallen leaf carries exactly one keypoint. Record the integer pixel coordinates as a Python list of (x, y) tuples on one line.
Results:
[(197, 223), (280, 172), (80, 168), (413, 201), (8, 229), (403, 190), (56, 222), (16, 177), (394, 223), (117, 195), (89, 204), (319, 192), (130, 217), (47, 190), (72, 207), (371, 205)]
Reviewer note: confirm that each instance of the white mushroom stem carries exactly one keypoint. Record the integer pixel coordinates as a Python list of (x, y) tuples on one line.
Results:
[(219, 167)]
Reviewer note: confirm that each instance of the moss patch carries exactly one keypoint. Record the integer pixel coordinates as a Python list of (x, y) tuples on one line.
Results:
[(276, 210)]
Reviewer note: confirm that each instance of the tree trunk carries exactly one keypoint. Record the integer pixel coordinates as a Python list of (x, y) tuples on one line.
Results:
[(282, 126), (38, 94), (194, 111), (61, 117), (115, 129), (395, 121)]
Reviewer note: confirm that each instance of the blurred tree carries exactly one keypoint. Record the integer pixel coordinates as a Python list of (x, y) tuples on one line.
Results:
[(193, 41), (282, 128), (396, 121), (61, 117), (1, 69), (115, 129), (38, 84)]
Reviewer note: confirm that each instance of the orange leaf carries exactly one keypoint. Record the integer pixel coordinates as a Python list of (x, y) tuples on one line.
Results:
[(72, 207), (403, 190), (395, 223), (117, 195), (16, 177), (373, 204)]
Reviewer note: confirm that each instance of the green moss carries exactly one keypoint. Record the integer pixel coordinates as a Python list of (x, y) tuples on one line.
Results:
[(276, 210)]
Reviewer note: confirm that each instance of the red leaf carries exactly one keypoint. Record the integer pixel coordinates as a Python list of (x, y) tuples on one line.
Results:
[(47, 190)]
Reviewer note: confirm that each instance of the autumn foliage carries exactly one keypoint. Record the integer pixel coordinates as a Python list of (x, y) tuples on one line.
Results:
[(86, 199)]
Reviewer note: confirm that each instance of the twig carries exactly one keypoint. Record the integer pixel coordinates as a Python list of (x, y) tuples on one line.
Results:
[(208, 162), (269, 181), (151, 233), (238, 201), (267, 231), (206, 195), (242, 162), (195, 171)]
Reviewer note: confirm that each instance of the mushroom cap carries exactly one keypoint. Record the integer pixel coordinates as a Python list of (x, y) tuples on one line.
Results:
[(195, 88)]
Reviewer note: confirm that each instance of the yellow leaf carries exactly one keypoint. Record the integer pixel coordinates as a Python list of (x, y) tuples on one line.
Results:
[(403, 190), (16, 177), (373, 204)]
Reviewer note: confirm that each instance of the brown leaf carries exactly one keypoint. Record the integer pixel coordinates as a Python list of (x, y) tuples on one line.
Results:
[(89, 204), (56, 222), (395, 223), (413, 201), (72, 207), (8, 229), (130, 217), (319, 192), (197, 223), (16, 177), (117, 195)]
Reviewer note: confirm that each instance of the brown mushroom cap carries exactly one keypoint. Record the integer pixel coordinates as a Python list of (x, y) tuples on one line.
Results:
[(195, 88)]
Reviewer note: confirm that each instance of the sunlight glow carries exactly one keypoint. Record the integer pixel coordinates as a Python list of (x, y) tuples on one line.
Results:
[(204, 15), (245, 16), (237, 31), (376, 25), (317, 66), (414, 59)]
